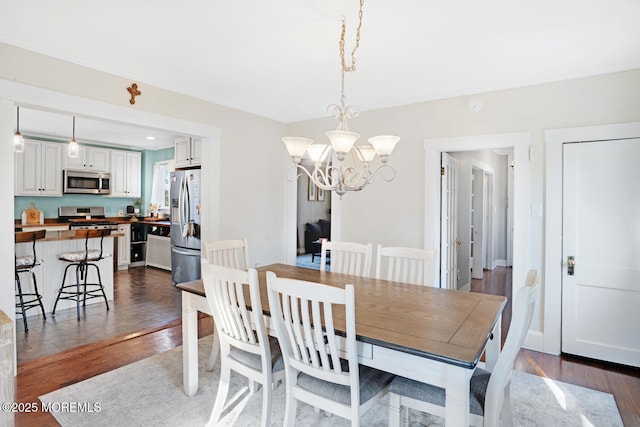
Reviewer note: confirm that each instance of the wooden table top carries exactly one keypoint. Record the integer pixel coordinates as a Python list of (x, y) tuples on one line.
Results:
[(451, 326)]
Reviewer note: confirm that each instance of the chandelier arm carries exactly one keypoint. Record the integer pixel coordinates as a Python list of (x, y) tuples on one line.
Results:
[(382, 167), (321, 179), (298, 175)]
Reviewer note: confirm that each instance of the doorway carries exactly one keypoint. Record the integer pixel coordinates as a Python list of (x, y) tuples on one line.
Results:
[(521, 201), (519, 142), (12, 93), (483, 192), (313, 220)]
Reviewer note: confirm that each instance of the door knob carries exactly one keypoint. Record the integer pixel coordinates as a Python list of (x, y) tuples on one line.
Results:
[(571, 263)]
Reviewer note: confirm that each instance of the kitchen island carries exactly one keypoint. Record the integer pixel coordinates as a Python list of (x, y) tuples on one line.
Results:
[(49, 273)]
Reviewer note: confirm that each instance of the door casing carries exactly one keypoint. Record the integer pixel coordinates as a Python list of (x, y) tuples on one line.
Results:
[(554, 139)]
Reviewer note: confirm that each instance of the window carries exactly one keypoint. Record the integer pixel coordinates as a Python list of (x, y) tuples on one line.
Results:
[(161, 184)]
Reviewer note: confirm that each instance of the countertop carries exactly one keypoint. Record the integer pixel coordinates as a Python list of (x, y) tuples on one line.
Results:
[(53, 222), (52, 236)]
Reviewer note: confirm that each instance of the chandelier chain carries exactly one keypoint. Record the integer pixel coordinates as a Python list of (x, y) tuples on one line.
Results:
[(352, 67)]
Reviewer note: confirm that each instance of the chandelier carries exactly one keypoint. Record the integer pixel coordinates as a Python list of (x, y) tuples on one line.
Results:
[(357, 173)]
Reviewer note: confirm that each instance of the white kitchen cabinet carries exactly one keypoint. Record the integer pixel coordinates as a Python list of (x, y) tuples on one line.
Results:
[(38, 170), (89, 158), (124, 246), (188, 152), (125, 173)]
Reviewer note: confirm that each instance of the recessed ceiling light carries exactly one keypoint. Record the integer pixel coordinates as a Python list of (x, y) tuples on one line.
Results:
[(150, 138)]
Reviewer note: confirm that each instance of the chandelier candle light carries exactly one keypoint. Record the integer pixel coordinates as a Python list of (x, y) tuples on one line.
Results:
[(343, 178)]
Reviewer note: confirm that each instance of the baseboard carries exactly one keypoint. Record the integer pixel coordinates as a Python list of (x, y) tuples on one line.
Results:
[(498, 263), (534, 341)]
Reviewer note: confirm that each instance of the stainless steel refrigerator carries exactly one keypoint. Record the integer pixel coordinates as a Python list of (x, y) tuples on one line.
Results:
[(185, 225)]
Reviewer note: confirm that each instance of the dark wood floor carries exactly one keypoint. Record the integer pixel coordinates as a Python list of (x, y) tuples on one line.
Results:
[(145, 298), (104, 348)]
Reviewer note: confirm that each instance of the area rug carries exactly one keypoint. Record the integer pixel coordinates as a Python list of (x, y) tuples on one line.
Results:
[(150, 393)]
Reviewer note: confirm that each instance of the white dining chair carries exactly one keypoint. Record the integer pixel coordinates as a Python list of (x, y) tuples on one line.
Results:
[(229, 253), (407, 265), (321, 366), (245, 346), (489, 396), (346, 257)]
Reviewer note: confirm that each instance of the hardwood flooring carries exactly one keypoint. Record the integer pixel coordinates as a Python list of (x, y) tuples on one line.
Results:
[(149, 334), (144, 298)]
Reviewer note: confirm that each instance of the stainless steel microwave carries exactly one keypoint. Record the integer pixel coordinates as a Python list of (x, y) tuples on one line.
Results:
[(81, 182)]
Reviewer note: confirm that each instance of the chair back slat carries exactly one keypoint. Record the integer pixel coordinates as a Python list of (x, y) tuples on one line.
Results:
[(346, 257), (303, 315), (226, 289), (229, 253), (407, 265)]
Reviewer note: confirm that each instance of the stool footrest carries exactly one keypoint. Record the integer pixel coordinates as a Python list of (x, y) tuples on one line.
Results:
[(81, 290)]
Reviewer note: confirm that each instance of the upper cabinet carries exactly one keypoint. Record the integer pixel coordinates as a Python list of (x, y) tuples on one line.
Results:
[(38, 170), (125, 173), (89, 158), (188, 152)]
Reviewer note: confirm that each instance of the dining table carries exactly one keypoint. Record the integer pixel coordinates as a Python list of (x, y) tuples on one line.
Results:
[(432, 335)]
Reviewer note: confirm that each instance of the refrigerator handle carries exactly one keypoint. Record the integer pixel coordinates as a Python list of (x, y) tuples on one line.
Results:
[(188, 204), (188, 252), (181, 204)]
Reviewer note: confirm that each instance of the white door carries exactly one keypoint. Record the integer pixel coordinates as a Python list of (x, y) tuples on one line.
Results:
[(477, 223), (601, 231), (449, 223)]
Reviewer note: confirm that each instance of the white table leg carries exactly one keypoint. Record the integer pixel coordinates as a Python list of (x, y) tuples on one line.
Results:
[(189, 346), (493, 346), (457, 396)]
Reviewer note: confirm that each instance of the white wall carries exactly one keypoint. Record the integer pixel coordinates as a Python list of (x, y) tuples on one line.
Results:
[(7, 289), (393, 213)]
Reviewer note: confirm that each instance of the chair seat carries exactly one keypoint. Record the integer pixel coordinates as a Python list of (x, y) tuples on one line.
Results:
[(255, 361), (24, 262), (436, 395), (372, 381), (92, 255)]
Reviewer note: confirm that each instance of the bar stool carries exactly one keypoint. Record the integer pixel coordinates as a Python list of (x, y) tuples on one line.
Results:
[(26, 264), (82, 261)]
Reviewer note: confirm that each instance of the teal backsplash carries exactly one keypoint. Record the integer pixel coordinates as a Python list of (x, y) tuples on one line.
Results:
[(50, 205)]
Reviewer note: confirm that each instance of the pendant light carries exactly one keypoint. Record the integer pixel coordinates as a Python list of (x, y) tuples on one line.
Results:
[(73, 150), (18, 140)]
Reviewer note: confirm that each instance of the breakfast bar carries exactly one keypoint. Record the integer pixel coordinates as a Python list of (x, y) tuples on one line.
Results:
[(50, 272)]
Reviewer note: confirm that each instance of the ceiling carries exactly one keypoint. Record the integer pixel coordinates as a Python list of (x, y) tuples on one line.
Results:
[(280, 59)]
